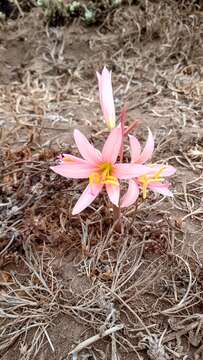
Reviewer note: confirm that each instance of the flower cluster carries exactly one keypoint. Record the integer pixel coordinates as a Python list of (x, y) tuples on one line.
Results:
[(102, 168)]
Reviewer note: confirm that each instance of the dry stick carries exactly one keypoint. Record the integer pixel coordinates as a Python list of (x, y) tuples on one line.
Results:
[(7, 246), (183, 300), (95, 338), (129, 308), (145, 100), (114, 353), (19, 8), (181, 332)]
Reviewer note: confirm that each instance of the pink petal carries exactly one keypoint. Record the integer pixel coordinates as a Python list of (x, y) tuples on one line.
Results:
[(106, 97), (67, 158), (165, 170), (148, 149), (86, 199), (87, 150), (74, 171), (131, 195), (135, 148), (161, 188), (129, 171), (113, 192), (112, 146), (168, 170)]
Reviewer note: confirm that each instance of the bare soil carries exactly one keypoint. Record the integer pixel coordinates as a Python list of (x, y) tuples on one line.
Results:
[(67, 278)]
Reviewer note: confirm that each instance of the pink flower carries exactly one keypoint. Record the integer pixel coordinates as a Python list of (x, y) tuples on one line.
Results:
[(106, 97), (100, 167), (154, 177)]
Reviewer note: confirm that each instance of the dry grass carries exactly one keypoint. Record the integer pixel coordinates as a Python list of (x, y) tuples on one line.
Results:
[(29, 304), (147, 282)]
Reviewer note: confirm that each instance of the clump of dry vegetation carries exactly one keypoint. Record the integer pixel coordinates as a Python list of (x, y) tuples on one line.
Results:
[(74, 281), (29, 303), (60, 12)]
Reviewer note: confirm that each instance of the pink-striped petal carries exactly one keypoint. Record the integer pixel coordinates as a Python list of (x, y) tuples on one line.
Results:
[(148, 149), (135, 149), (112, 146), (113, 192), (74, 171), (86, 199), (87, 150), (129, 171), (131, 195), (161, 189)]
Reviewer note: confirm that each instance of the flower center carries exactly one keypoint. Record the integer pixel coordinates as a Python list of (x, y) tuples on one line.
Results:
[(103, 175), (146, 180)]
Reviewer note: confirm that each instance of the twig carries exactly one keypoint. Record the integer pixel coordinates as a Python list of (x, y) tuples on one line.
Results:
[(95, 338), (183, 300), (176, 334), (129, 308), (7, 246), (145, 100), (19, 8)]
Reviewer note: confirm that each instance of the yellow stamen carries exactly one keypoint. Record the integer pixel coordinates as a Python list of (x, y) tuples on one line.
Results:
[(145, 180), (103, 176), (111, 180), (94, 178)]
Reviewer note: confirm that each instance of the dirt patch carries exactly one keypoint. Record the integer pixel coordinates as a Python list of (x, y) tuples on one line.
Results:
[(65, 279)]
